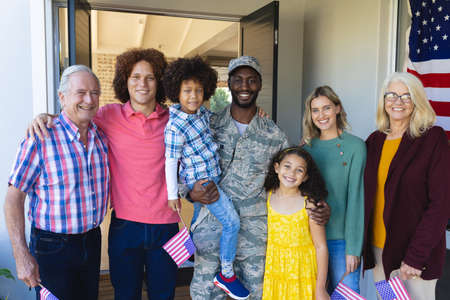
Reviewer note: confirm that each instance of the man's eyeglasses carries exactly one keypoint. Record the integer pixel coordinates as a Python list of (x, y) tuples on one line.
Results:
[(392, 97)]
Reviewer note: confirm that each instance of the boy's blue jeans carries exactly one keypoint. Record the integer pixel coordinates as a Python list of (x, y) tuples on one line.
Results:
[(337, 267), (226, 214)]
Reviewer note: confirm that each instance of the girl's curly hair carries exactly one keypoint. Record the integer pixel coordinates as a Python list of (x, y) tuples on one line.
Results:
[(189, 68), (124, 65), (314, 187)]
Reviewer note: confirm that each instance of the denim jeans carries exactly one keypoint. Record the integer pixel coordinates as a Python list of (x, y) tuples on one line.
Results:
[(134, 247), (69, 264), (337, 267), (226, 214)]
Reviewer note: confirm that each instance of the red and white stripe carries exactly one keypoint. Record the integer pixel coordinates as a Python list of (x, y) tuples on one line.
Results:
[(399, 289), (44, 293), (435, 76), (348, 293), (175, 247)]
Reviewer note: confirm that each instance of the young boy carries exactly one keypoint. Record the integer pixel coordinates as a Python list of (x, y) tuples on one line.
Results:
[(189, 142)]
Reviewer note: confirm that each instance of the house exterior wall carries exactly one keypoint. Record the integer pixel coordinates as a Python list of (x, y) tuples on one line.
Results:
[(346, 45), (345, 48), (16, 87)]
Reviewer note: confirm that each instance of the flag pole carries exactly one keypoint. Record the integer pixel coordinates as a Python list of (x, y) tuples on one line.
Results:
[(181, 218)]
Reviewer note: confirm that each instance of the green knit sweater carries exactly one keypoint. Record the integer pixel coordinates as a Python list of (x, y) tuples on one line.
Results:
[(341, 162)]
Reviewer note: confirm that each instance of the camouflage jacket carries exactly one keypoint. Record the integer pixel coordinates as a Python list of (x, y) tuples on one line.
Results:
[(244, 159)]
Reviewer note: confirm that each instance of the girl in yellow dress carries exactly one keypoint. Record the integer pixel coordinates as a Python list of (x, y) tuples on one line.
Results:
[(297, 254)]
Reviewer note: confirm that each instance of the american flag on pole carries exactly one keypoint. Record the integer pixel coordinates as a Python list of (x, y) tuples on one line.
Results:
[(343, 292), (46, 295), (392, 289), (429, 54), (180, 247)]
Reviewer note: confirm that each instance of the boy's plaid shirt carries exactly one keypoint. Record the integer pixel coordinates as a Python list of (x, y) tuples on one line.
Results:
[(188, 138), (68, 185)]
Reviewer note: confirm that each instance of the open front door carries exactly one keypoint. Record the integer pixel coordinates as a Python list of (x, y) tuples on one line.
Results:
[(259, 38), (79, 25)]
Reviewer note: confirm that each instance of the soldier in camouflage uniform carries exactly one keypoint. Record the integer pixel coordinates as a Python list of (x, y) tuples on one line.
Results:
[(244, 158)]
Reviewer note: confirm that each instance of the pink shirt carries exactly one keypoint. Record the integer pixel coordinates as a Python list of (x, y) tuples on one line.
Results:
[(136, 156)]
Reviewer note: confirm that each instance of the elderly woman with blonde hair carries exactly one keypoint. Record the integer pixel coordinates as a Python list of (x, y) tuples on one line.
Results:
[(406, 189)]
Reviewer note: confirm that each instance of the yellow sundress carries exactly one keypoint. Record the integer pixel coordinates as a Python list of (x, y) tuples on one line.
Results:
[(291, 267)]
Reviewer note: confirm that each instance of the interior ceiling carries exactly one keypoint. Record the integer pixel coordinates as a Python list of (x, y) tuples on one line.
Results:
[(230, 9), (114, 32)]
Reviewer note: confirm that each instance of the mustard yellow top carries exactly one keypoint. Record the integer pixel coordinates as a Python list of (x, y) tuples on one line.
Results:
[(387, 154)]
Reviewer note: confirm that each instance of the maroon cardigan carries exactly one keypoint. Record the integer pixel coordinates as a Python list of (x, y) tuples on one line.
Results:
[(417, 202)]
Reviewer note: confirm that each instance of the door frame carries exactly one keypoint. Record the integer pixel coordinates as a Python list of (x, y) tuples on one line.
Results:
[(45, 43), (272, 8)]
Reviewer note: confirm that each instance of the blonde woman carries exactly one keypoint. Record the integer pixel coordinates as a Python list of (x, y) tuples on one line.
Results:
[(341, 158), (406, 189)]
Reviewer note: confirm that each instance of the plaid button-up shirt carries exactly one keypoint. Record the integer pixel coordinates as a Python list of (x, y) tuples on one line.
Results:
[(68, 184), (188, 138)]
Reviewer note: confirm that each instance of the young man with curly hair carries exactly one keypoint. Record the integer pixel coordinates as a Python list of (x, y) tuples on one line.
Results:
[(188, 82)]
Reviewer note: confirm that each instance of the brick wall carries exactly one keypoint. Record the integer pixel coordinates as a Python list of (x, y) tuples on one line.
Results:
[(103, 66)]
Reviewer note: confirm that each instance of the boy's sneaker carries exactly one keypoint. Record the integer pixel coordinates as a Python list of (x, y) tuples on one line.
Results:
[(232, 286)]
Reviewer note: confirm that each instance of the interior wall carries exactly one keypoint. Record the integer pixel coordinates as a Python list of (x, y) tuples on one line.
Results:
[(103, 66), (16, 87), (345, 48)]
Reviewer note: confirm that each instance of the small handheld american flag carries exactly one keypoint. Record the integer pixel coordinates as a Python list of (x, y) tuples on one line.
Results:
[(392, 289), (343, 292), (180, 247), (46, 295)]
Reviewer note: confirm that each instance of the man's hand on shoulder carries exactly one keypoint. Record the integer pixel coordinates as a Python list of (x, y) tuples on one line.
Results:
[(262, 113), (39, 126), (320, 213), (204, 194)]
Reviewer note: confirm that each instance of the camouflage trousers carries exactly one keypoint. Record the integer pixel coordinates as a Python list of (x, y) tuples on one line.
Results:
[(248, 264)]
